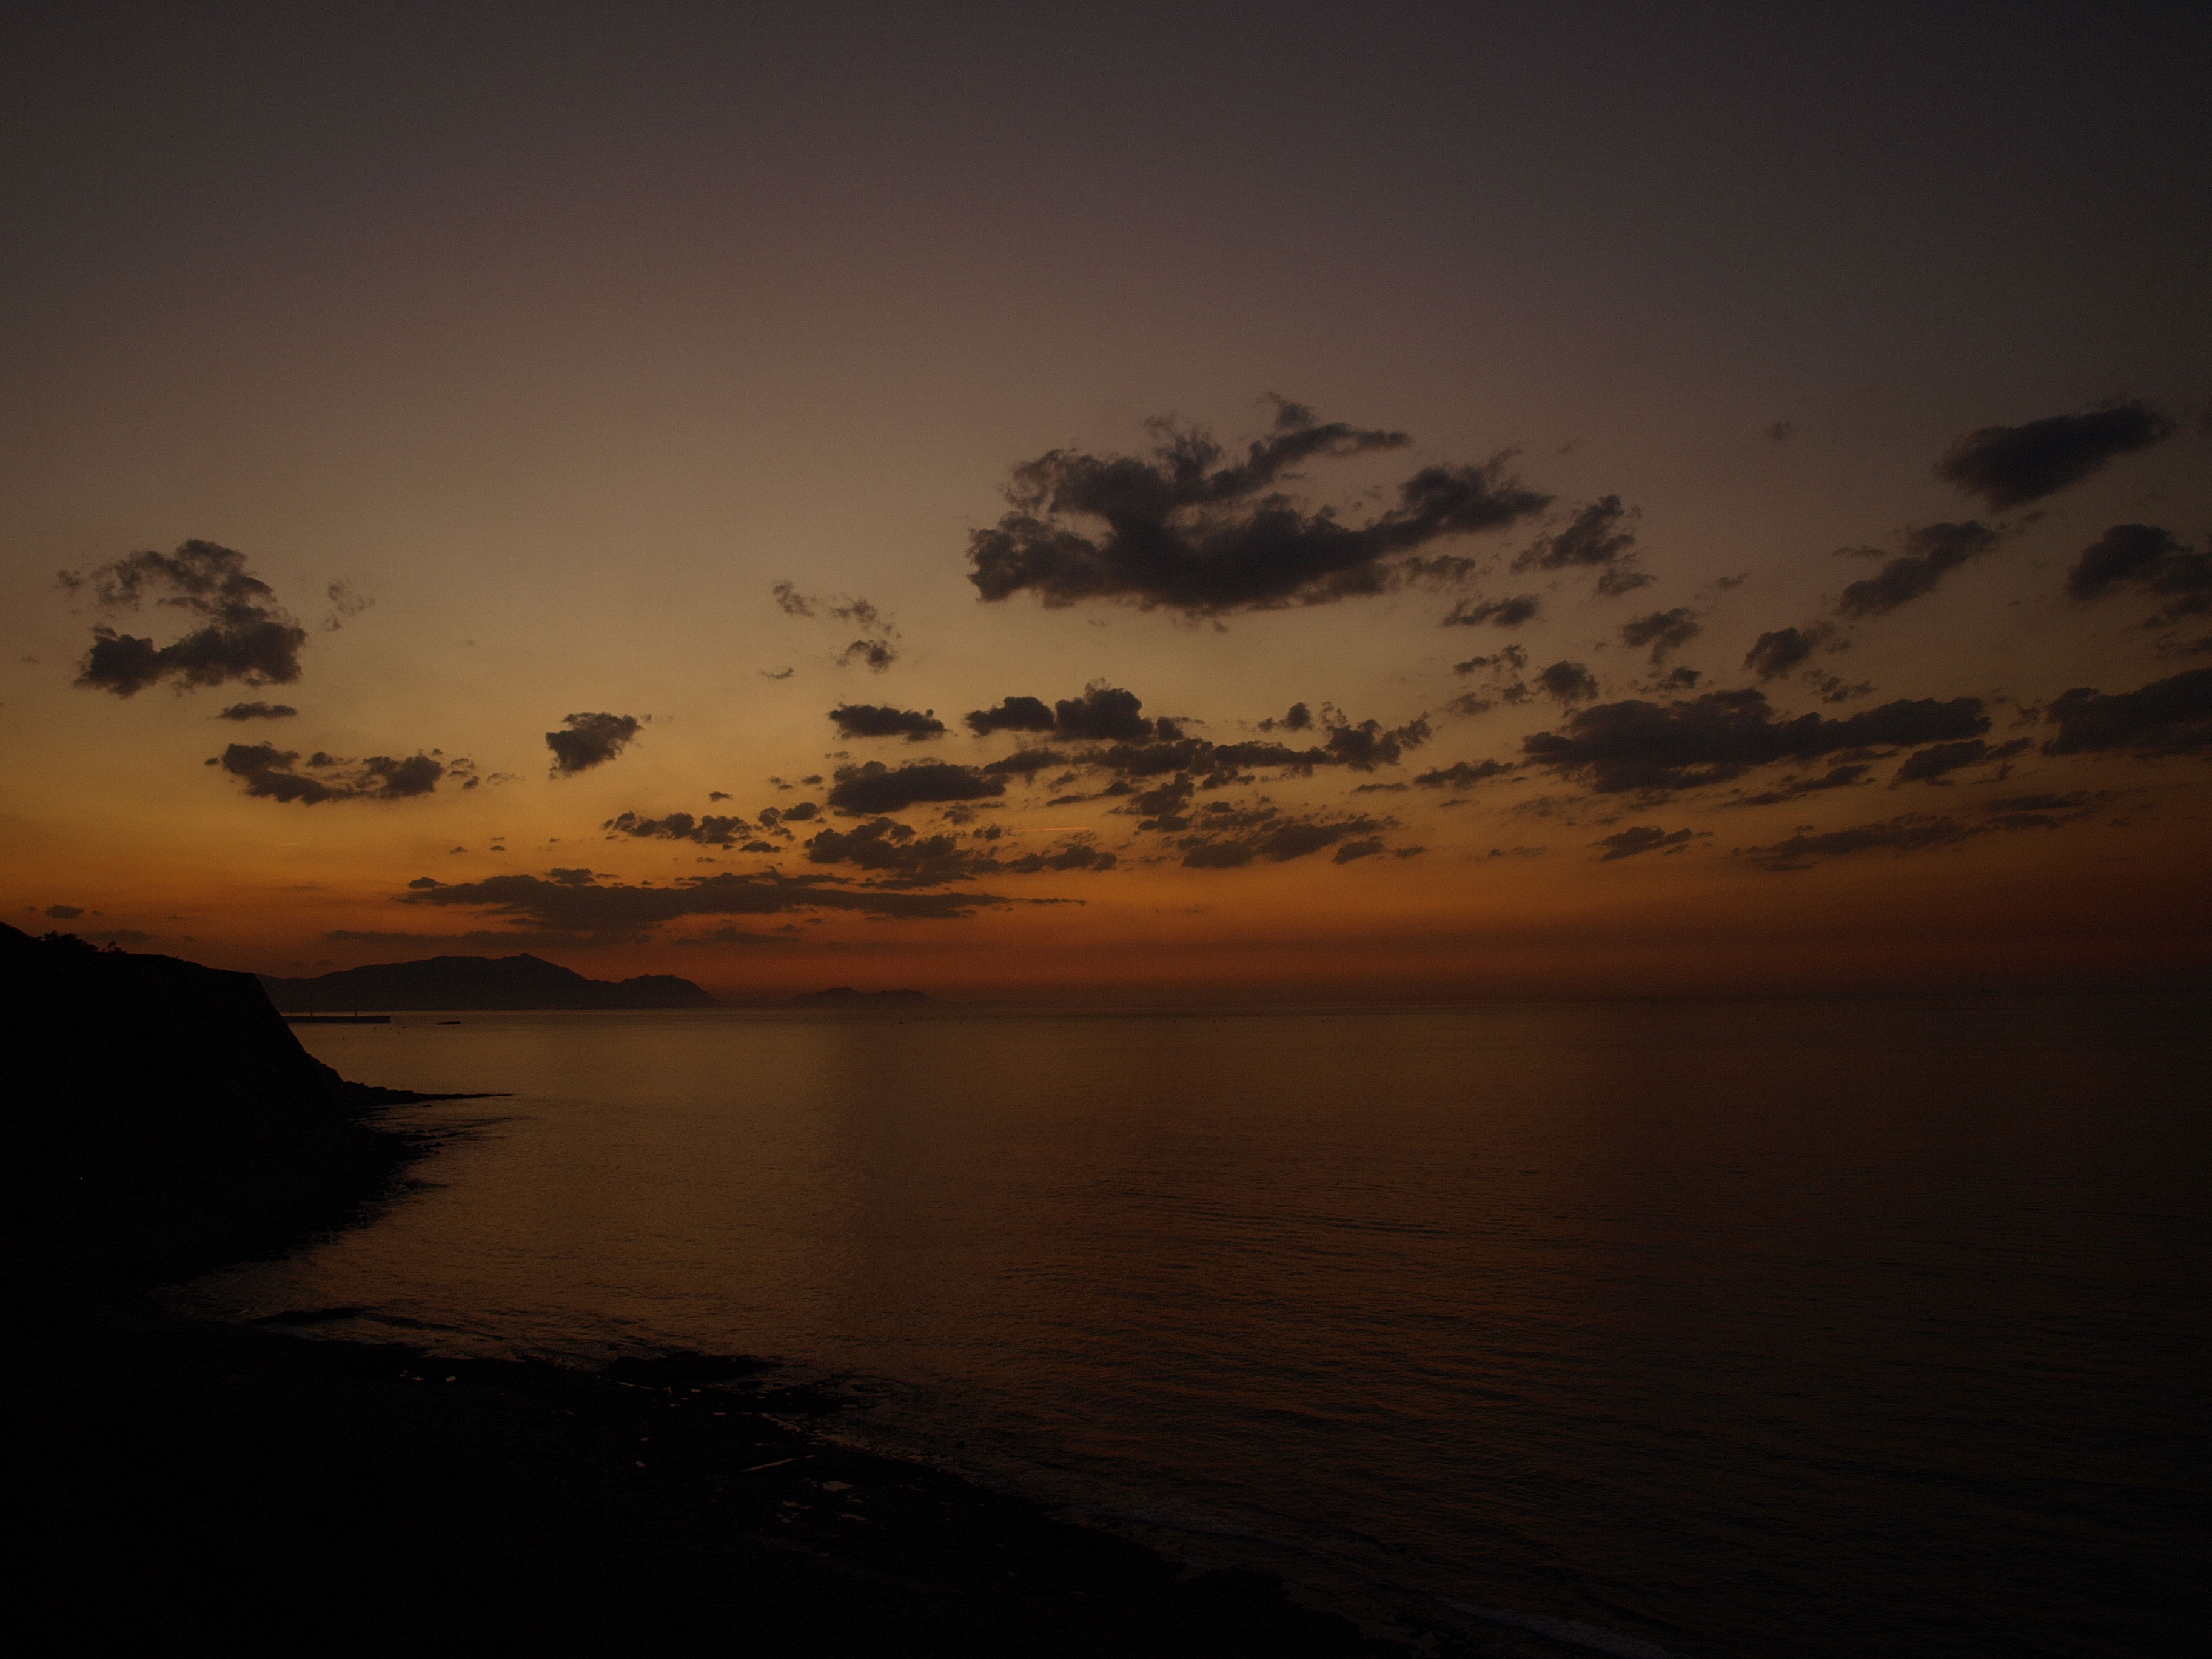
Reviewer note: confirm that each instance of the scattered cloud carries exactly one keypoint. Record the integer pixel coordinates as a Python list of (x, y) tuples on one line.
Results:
[(1774, 654), (274, 774), (876, 655), (1461, 774), (1931, 552), (1912, 832), (1642, 838), (1664, 632), (62, 912), (244, 634), (714, 830), (868, 720), (2009, 466), (346, 603), (1013, 714), (1934, 764), (2168, 716), (1498, 613), (1799, 784), (874, 788), (591, 740), (1687, 744), (1597, 537), (896, 852), (1226, 837), (873, 650), (1103, 712), (1190, 529), (256, 711), (1567, 682), (2149, 560)]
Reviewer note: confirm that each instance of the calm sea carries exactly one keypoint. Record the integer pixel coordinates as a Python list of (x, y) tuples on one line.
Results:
[(1718, 1328)]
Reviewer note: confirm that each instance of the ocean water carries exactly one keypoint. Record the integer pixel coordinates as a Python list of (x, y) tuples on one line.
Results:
[(1701, 1327)]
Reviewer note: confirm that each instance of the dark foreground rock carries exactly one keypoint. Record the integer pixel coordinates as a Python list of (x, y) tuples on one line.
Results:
[(195, 1484), (234, 1482), (162, 1119)]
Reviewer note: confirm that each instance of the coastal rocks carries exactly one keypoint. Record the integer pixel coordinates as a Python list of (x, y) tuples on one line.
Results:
[(165, 1118)]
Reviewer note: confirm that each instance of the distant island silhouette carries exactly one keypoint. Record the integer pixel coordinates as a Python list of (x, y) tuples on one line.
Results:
[(504, 983), (844, 996)]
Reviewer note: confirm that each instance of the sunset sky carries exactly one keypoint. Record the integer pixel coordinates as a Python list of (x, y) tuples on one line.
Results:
[(1416, 500)]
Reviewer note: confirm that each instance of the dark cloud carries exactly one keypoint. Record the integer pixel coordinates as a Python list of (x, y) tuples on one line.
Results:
[(889, 847), (1913, 832), (1797, 787), (1351, 850), (1225, 837), (345, 604), (1025, 762), (1931, 551), (1361, 748), (62, 912), (1596, 537), (1930, 765), (713, 830), (1013, 714), (1103, 712), (868, 720), (1189, 529), (893, 851), (1665, 632), (1502, 681), (257, 711), (591, 740), (875, 788), (1499, 613), (2009, 466), (2150, 559), (2168, 716), (275, 774), (1687, 744), (1641, 838), (1459, 774), (1567, 682), (577, 900), (1782, 431), (2042, 811), (246, 635), (1678, 678), (1777, 652), (1297, 718), (874, 649)]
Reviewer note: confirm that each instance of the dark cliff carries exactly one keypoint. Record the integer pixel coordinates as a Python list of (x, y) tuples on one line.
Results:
[(165, 1117), (513, 983)]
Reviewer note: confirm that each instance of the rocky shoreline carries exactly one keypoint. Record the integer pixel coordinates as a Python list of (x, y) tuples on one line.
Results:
[(221, 1480)]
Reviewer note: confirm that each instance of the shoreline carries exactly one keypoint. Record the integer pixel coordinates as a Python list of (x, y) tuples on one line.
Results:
[(191, 1475)]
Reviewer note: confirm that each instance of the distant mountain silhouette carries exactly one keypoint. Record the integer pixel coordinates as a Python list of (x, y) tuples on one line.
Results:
[(479, 982), (844, 996)]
